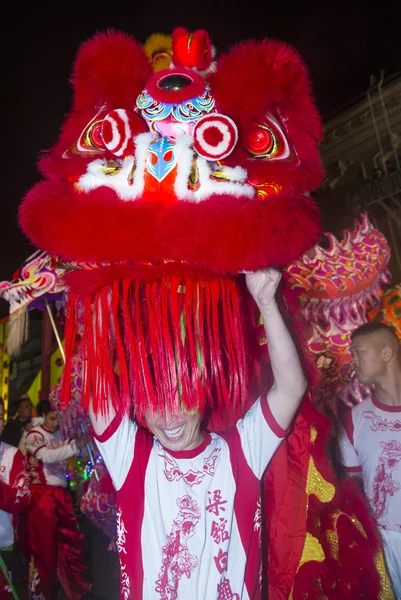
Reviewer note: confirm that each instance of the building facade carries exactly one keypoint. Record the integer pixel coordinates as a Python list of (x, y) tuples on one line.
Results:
[(362, 158)]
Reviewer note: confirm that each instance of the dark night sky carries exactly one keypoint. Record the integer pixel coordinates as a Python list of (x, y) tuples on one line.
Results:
[(342, 42)]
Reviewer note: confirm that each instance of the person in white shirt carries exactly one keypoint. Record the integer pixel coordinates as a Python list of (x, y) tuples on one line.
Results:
[(56, 546), (189, 501), (370, 438), (14, 497)]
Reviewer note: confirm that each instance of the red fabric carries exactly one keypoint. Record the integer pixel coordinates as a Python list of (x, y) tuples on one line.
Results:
[(290, 513), (55, 545), (286, 508)]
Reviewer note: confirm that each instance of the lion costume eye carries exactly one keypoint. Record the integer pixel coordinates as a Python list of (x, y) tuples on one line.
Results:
[(262, 142), (113, 131), (90, 141), (268, 140), (94, 136)]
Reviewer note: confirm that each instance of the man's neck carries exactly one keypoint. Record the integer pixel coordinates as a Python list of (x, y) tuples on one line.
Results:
[(388, 391)]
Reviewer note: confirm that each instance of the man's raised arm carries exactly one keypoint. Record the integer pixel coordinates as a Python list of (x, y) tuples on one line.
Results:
[(290, 384)]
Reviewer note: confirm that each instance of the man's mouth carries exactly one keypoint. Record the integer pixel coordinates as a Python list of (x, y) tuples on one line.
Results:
[(174, 434)]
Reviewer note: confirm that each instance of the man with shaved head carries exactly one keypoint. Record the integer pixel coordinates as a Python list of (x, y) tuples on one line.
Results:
[(370, 440)]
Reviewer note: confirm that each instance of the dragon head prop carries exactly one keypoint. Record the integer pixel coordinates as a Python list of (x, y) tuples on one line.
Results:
[(35, 283), (336, 287), (165, 185)]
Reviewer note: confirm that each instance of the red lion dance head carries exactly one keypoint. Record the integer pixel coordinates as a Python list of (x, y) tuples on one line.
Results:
[(162, 188)]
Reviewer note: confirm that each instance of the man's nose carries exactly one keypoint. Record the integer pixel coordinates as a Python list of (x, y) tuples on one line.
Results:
[(169, 419)]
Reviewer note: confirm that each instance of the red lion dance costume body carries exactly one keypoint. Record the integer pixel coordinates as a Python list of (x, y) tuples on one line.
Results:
[(162, 189)]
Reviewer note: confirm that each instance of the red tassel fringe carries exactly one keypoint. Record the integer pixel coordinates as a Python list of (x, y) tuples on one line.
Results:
[(170, 341)]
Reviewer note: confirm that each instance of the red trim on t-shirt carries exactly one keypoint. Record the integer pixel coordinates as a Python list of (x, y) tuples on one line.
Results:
[(40, 448), (35, 431), (110, 429), (191, 453), (270, 420), (348, 425), (47, 430), (131, 501), (357, 469), (385, 407), (248, 492)]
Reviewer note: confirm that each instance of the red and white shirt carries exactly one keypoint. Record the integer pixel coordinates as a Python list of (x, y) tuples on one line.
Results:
[(370, 442), (46, 455), (14, 490), (189, 523)]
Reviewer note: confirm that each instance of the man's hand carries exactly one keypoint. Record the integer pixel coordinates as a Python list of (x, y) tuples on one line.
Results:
[(83, 440), (262, 286)]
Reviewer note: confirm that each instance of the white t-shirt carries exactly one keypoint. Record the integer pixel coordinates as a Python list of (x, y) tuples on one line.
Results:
[(370, 442), (189, 523)]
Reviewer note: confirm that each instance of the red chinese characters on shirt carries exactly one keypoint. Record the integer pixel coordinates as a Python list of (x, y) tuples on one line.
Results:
[(220, 535), (216, 503), (225, 591), (218, 531)]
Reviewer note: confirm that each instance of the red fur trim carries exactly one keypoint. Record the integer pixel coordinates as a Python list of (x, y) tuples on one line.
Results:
[(259, 77), (110, 69), (88, 282), (254, 77), (224, 234)]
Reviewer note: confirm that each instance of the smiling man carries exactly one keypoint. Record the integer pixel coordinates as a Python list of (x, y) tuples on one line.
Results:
[(370, 440), (189, 501)]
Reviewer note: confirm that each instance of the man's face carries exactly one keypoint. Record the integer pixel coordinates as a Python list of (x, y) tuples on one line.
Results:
[(368, 360), (25, 410), (1, 419), (50, 421), (175, 431)]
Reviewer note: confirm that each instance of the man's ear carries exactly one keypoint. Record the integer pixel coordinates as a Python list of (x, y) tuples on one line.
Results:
[(387, 353)]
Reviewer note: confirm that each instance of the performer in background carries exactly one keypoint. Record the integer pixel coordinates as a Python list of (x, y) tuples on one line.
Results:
[(370, 441), (56, 546), (14, 497), (15, 427)]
